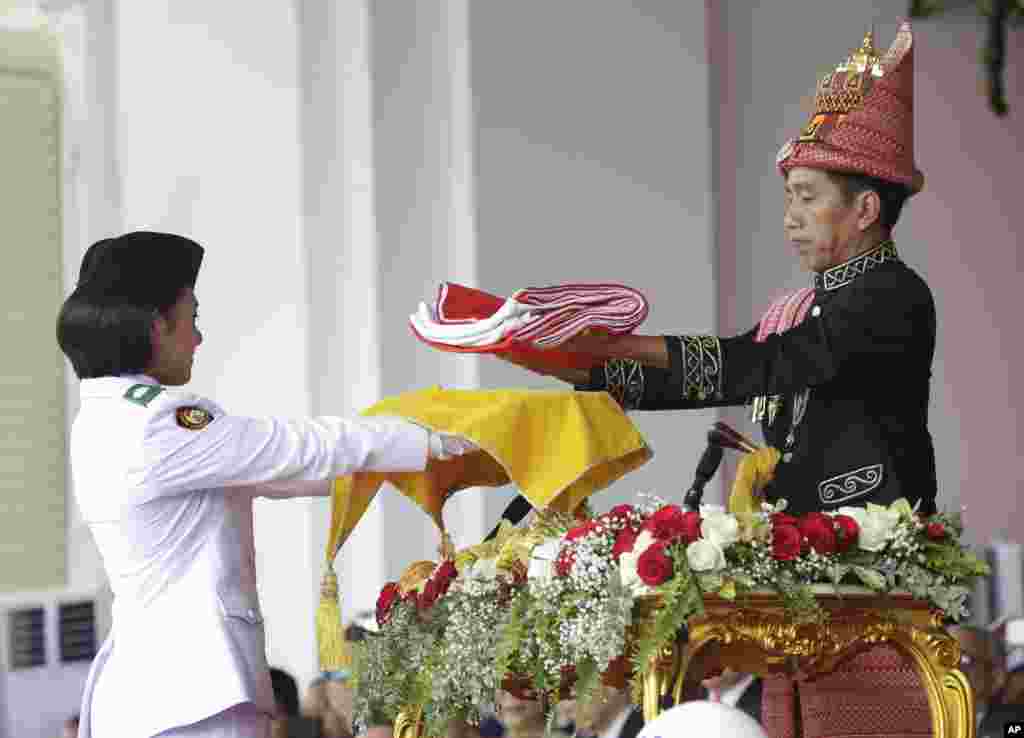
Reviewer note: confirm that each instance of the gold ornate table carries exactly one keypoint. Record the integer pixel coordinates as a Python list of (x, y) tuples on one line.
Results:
[(754, 634)]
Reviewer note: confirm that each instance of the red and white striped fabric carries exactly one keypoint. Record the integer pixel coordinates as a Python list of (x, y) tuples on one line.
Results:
[(786, 312), (567, 310), (537, 318)]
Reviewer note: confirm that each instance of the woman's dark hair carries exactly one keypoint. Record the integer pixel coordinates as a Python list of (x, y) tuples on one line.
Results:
[(124, 284), (107, 340), (892, 195)]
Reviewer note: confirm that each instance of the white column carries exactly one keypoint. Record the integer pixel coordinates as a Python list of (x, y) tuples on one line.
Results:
[(207, 131), (425, 215), (465, 512), (344, 270)]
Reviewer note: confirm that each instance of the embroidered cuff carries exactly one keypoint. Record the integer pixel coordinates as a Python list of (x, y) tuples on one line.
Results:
[(701, 370), (624, 380)]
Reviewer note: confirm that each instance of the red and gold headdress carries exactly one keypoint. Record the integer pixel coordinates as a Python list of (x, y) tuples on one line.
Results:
[(863, 120)]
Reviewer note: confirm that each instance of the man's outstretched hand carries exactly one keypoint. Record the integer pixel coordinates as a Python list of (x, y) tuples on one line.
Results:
[(570, 361)]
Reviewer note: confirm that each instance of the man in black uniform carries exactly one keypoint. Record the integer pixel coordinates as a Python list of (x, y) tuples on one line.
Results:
[(843, 394), (838, 376)]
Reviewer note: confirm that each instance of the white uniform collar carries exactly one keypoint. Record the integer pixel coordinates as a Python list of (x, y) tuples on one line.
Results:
[(110, 386)]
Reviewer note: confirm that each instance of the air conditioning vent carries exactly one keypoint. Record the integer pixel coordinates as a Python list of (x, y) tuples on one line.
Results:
[(77, 622), (28, 637)]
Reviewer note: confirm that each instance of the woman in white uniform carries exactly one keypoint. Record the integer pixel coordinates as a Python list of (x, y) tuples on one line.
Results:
[(165, 480)]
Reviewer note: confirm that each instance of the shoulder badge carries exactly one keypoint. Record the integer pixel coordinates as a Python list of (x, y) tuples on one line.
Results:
[(191, 417), (143, 394)]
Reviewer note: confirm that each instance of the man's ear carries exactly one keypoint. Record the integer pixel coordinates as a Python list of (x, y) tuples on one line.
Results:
[(869, 209)]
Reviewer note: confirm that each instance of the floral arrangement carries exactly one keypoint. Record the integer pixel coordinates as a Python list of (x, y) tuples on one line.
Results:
[(554, 605)]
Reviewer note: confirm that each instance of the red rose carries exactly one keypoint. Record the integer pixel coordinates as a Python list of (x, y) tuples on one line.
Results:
[(935, 531), (619, 517), (563, 564), (786, 540), (623, 514), (654, 567), (691, 527), (438, 584), (783, 519), (428, 596), (445, 575), (666, 523), (622, 511), (389, 594), (846, 531), (580, 530), (624, 542), (817, 528)]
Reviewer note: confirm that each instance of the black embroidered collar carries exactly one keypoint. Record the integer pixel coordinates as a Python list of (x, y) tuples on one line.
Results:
[(841, 275)]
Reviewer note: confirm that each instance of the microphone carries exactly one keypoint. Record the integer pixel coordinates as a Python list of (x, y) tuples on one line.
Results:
[(516, 511), (706, 468), (725, 435)]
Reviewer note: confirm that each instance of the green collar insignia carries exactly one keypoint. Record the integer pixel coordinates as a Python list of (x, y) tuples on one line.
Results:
[(142, 394)]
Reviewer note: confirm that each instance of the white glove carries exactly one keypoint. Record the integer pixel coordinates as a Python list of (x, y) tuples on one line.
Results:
[(443, 446)]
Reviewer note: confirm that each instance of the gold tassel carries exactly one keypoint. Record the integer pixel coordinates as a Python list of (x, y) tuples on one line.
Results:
[(334, 655), (447, 549)]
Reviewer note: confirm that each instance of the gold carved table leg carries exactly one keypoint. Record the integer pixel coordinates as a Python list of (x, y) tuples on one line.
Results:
[(408, 724), (763, 640), (659, 680), (936, 654)]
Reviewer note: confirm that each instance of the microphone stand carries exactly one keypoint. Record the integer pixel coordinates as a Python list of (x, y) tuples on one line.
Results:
[(706, 468), (721, 436)]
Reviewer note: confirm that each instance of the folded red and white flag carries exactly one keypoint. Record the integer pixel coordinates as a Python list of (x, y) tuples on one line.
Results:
[(784, 313), (470, 320)]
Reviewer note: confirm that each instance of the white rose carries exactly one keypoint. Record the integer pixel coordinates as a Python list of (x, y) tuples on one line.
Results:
[(719, 527), (642, 542), (876, 526), (705, 555), (542, 560), (482, 570), (628, 574)]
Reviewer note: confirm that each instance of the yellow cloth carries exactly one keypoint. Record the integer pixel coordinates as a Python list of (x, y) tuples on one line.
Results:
[(557, 447), (756, 469)]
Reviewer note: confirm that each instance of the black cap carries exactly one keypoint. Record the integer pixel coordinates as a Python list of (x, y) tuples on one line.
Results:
[(142, 268)]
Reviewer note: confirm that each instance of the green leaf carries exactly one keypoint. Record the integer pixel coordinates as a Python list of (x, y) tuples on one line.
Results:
[(511, 636), (710, 582), (838, 572), (871, 578), (728, 589), (681, 597), (588, 679)]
